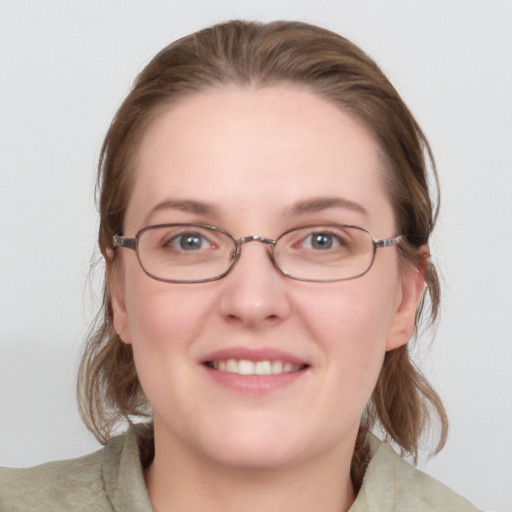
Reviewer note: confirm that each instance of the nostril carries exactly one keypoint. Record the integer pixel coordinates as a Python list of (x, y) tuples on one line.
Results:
[(271, 320)]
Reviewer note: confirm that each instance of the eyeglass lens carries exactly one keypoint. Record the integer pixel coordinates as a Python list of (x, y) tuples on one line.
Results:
[(194, 253)]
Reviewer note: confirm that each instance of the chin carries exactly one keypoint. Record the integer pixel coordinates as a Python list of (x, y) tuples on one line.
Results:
[(255, 456), (267, 446)]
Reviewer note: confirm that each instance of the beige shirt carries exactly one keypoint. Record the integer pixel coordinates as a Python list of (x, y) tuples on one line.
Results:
[(112, 480)]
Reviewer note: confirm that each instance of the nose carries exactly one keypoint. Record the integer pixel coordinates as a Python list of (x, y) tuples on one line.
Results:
[(255, 293)]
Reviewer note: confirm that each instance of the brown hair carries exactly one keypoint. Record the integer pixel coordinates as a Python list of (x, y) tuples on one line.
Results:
[(248, 53)]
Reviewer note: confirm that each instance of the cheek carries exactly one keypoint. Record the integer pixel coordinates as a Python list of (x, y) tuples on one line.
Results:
[(350, 322), (161, 319), (355, 314), (157, 312), (163, 326)]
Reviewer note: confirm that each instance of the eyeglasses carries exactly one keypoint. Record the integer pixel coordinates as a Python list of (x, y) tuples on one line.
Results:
[(197, 253)]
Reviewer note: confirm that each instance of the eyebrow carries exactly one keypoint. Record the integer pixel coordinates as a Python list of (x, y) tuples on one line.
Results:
[(317, 204), (184, 205)]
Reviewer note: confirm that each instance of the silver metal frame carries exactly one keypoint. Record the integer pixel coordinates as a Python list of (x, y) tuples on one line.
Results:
[(120, 241)]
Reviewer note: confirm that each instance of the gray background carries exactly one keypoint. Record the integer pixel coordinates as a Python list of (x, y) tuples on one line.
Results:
[(65, 67)]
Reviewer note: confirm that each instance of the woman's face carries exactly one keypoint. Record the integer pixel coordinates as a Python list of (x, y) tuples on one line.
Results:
[(259, 162)]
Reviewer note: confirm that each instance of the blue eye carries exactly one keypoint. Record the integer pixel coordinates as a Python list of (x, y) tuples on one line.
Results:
[(188, 242), (321, 241)]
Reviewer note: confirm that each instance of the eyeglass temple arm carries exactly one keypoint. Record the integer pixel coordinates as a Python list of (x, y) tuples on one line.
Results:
[(122, 241), (386, 242)]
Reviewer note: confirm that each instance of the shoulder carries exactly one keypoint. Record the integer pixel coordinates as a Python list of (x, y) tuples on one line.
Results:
[(54, 485), (392, 484), (93, 483)]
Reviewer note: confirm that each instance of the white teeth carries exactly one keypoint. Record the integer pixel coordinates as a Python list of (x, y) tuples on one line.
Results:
[(277, 367), (288, 367), (231, 366), (246, 367), (263, 368)]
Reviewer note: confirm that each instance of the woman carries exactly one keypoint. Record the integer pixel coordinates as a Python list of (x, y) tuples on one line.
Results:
[(265, 219)]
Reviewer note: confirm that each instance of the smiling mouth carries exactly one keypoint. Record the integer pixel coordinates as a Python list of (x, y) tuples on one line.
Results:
[(246, 367)]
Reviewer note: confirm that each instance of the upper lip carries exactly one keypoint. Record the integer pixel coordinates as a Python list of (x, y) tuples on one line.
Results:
[(255, 355)]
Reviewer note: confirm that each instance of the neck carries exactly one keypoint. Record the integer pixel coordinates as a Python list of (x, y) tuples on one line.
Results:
[(179, 481)]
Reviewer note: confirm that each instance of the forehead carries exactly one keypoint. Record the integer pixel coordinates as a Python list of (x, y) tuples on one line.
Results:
[(244, 147)]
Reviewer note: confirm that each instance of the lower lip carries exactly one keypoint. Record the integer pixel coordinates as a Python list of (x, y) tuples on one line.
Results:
[(254, 384)]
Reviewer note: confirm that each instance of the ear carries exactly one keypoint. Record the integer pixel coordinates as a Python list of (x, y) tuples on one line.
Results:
[(117, 300), (409, 292)]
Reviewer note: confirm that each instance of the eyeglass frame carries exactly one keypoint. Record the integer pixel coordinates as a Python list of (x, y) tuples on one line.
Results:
[(121, 241)]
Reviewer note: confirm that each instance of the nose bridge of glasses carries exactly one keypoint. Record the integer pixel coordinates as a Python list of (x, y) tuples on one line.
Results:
[(256, 238), (268, 242)]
